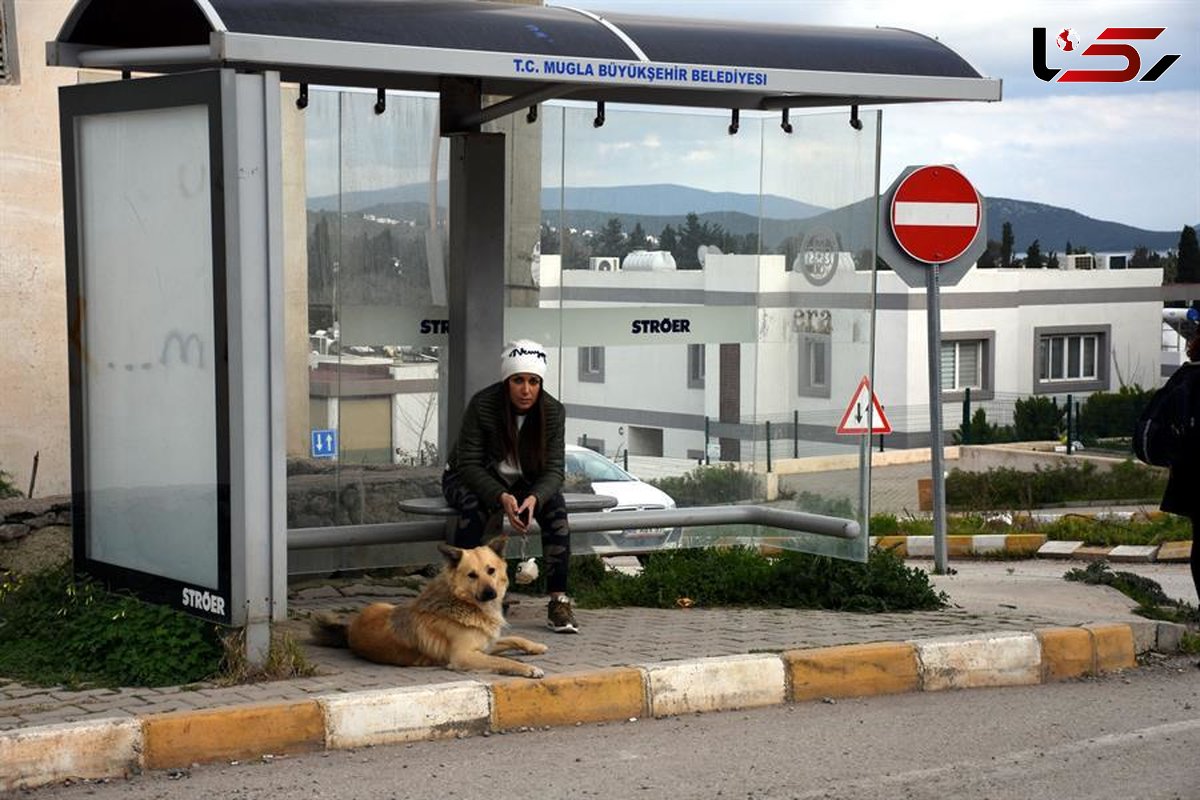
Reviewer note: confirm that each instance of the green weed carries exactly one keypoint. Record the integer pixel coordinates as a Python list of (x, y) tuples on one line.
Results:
[(55, 631)]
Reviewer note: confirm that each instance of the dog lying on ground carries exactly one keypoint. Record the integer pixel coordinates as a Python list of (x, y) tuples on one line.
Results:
[(454, 622)]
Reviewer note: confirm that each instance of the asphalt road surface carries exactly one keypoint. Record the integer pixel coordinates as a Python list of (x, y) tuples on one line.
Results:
[(1133, 735)]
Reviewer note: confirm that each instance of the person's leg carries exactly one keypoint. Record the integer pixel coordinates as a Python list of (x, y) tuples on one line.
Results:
[(472, 516), (556, 551), (556, 542), (1195, 558)]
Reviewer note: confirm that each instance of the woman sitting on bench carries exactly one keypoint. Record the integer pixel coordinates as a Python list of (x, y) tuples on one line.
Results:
[(508, 458)]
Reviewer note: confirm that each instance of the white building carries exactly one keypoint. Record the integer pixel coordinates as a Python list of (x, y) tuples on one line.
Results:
[(788, 349)]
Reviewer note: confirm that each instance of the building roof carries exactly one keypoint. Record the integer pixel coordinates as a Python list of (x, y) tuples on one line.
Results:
[(523, 50)]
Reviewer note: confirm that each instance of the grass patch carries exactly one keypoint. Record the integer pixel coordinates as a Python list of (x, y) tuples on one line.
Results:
[(1189, 644), (285, 659), (1112, 532), (741, 576), (55, 631), (1152, 601), (1093, 531)]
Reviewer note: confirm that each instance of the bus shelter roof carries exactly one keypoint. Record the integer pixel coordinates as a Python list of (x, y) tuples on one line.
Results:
[(528, 52)]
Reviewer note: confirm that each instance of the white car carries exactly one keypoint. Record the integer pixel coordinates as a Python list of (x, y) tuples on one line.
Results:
[(632, 495)]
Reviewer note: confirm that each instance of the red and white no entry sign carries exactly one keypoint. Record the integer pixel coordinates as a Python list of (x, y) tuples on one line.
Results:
[(935, 214)]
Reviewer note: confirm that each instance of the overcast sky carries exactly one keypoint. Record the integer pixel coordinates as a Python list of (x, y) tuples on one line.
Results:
[(1126, 152)]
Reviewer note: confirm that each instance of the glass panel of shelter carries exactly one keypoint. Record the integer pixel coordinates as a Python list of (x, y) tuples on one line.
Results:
[(742, 280)]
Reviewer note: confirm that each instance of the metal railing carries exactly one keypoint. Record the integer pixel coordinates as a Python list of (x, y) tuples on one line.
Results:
[(434, 530)]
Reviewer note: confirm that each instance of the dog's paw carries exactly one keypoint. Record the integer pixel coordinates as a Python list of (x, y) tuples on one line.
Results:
[(536, 648), (535, 672)]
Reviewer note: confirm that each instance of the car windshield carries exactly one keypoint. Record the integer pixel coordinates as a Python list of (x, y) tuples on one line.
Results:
[(594, 467)]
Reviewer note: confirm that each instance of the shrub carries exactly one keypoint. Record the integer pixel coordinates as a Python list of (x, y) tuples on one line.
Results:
[(1152, 601), (54, 631), (740, 576), (707, 486), (1037, 419), (980, 431), (1111, 414), (1006, 488)]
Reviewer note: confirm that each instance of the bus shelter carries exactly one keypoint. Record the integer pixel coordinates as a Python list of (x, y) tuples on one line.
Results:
[(297, 235)]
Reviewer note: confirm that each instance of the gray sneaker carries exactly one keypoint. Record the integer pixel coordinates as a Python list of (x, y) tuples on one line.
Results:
[(560, 618)]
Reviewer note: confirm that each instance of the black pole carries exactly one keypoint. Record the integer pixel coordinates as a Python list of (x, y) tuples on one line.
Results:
[(706, 440), (1070, 407), (795, 433), (768, 445), (966, 428)]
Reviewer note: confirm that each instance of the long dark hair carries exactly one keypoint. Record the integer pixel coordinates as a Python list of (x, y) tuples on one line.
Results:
[(530, 442)]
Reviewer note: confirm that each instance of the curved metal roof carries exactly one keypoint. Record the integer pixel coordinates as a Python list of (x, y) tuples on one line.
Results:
[(522, 49)]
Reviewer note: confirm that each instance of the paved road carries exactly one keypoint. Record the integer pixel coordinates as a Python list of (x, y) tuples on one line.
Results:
[(1115, 738)]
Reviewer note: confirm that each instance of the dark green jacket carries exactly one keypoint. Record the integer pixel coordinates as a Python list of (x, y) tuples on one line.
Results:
[(481, 444)]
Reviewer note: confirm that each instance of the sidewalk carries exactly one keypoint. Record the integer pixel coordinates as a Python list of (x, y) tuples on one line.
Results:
[(1001, 629)]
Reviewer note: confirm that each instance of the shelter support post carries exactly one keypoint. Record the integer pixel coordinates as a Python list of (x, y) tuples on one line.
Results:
[(255, 281), (476, 270)]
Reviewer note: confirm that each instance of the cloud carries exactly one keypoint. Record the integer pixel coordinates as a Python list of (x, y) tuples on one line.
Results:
[(1133, 159)]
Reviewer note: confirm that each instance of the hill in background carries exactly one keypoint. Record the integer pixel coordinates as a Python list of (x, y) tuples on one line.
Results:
[(658, 205)]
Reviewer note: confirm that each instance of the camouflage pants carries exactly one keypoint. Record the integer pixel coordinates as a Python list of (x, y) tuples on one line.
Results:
[(475, 523)]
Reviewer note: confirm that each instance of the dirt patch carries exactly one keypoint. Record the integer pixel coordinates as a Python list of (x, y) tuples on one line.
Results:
[(41, 549)]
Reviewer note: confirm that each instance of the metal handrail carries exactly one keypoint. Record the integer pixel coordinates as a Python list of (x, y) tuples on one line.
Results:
[(588, 522)]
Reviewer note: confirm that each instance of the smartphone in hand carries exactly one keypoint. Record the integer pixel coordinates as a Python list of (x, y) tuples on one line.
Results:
[(524, 515)]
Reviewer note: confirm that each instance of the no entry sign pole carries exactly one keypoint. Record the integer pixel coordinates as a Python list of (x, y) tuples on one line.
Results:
[(933, 307), (935, 216)]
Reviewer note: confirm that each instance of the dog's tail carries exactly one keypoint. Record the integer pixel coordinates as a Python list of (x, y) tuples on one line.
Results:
[(329, 631)]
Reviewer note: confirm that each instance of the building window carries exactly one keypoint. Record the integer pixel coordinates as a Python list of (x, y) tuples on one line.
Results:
[(8, 44), (967, 362), (695, 366), (1067, 357), (814, 365), (1071, 359), (591, 364), (962, 365)]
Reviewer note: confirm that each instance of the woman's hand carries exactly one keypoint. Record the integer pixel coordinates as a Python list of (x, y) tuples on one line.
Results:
[(519, 515)]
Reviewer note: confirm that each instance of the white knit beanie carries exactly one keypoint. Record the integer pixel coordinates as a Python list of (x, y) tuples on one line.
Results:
[(523, 355)]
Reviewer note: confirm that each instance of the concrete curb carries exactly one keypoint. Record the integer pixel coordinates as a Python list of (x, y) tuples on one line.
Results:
[(116, 748), (1032, 544)]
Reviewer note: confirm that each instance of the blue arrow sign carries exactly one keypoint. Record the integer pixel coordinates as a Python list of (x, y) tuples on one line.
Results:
[(324, 443)]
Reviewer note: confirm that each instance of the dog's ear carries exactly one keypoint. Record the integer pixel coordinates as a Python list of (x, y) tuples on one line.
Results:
[(453, 554), (498, 544)]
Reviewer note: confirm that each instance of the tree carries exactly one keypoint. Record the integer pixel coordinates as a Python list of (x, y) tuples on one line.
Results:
[(1033, 256), (637, 237), (691, 236), (991, 255), (1052, 260), (669, 240), (551, 240), (1144, 257), (611, 240), (1187, 268), (1006, 244)]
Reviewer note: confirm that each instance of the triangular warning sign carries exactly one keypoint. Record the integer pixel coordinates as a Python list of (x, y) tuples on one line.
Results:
[(854, 421)]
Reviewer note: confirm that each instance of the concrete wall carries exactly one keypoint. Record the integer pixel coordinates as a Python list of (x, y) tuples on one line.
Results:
[(1025, 457), (34, 402), (33, 340)]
